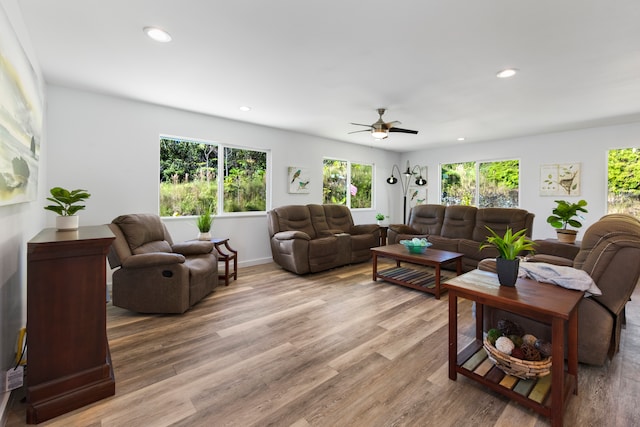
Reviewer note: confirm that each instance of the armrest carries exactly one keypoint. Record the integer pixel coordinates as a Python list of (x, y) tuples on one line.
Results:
[(193, 247), (403, 229), (290, 235), (152, 260), (557, 249), (364, 229), (550, 259)]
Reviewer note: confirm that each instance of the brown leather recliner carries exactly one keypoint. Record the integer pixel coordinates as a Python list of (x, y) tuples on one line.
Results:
[(153, 274), (610, 253)]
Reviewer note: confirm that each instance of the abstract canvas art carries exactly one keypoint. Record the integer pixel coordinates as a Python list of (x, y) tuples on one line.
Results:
[(298, 180), (20, 119)]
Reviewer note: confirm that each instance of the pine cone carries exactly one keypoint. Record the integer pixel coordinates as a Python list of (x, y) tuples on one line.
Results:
[(507, 327)]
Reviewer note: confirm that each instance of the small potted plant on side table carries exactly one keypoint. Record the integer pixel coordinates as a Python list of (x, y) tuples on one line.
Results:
[(204, 222), (565, 214), (509, 247), (380, 217), (67, 203)]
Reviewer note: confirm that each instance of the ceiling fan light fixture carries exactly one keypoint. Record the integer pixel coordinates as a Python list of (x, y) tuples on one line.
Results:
[(506, 73), (157, 34), (379, 133)]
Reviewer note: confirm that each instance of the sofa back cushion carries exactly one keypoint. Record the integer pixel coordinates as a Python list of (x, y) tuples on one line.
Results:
[(293, 218), (499, 219), (318, 220), (459, 222), (144, 233), (427, 219), (338, 217)]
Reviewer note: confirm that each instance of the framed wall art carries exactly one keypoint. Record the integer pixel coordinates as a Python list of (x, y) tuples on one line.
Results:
[(20, 119), (560, 179), (298, 179)]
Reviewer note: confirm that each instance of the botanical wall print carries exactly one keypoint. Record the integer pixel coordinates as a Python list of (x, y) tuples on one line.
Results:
[(560, 180), (298, 180), (417, 195), (20, 119)]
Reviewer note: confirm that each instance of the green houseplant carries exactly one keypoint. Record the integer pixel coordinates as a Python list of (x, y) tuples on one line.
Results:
[(66, 204), (565, 214), (204, 222), (508, 246)]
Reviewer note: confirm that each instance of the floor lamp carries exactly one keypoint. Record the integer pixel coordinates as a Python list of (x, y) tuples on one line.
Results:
[(405, 183)]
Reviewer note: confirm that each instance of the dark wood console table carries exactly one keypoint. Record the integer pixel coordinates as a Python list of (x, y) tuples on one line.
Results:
[(540, 301), (69, 361)]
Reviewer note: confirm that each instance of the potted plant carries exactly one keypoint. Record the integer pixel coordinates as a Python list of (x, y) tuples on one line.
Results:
[(380, 217), (204, 222), (67, 203), (509, 247), (565, 214)]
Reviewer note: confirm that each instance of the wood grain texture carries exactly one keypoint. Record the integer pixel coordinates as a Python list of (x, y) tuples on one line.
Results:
[(325, 349)]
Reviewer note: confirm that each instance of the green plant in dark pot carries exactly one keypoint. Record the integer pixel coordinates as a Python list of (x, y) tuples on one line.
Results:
[(566, 214), (509, 246), (66, 204)]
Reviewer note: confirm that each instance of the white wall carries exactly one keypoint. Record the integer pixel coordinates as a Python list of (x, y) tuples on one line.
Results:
[(588, 147), (110, 146), (18, 224)]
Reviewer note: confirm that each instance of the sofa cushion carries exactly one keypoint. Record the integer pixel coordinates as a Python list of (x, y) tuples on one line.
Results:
[(295, 218), (338, 217), (499, 219), (139, 229), (444, 243), (427, 219), (459, 222)]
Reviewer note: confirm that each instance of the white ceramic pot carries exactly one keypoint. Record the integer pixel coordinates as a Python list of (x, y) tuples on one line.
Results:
[(204, 236), (66, 223)]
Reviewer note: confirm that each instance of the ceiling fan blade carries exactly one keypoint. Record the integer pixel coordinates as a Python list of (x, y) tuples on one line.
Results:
[(363, 130), (360, 124), (415, 132)]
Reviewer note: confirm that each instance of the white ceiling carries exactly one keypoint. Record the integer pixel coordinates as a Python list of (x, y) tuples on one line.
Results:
[(315, 66)]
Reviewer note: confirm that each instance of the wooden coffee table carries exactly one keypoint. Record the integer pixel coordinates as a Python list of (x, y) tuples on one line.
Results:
[(416, 279), (543, 302)]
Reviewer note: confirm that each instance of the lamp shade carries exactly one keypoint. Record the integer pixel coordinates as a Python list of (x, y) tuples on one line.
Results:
[(421, 181), (392, 180)]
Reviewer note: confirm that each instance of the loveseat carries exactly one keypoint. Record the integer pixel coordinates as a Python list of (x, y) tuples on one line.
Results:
[(312, 238), (461, 229), (609, 253), (155, 275)]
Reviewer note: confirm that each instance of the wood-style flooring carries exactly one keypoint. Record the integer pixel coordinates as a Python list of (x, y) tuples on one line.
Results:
[(327, 349)]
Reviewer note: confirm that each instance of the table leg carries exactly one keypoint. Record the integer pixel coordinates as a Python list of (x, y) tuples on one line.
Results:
[(375, 266), (437, 284), (557, 371), (453, 334), (479, 320), (572, 350)]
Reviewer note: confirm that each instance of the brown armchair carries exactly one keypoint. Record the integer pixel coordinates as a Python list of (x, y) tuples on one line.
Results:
[(609, 252), (153, 274)]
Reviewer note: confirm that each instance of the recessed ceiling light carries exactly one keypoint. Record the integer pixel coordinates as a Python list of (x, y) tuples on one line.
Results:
[(157, 34), (506, 73), (461, 138), (245, 108)]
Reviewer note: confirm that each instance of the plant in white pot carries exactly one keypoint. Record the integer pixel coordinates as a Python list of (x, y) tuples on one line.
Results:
[(565, 214), (204, 222), (509, 247), (67, 204)]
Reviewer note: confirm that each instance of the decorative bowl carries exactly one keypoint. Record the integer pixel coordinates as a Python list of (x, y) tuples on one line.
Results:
[(416, 246)]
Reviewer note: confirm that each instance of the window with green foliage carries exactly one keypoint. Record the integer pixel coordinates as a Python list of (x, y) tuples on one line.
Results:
[(189, 178), (482, 184), (347, 183), (624, 181)]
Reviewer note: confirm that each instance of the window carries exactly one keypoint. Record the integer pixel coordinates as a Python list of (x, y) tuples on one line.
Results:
[(340, 176), (189, 178), (482, 184), (624, 181)]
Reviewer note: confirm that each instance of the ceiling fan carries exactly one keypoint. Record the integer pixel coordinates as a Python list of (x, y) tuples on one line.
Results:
[(381, 129)]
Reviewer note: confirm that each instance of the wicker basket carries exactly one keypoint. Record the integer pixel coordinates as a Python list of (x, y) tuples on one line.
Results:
[(525, 369)]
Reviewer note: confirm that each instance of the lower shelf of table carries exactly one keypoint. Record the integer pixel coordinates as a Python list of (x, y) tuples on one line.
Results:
[(409, 277), (472, 362)]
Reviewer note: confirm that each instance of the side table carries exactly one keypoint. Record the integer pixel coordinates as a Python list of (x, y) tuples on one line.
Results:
[(383, 235), (226, 253), (539, 301)]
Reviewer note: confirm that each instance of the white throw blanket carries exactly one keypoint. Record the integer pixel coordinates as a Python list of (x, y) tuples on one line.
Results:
[(567, 277)]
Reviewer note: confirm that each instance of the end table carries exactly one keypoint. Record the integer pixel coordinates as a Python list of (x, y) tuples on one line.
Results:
[(226, 253)]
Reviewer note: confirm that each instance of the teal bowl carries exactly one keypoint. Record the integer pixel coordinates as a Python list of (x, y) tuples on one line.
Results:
[(415, 249)]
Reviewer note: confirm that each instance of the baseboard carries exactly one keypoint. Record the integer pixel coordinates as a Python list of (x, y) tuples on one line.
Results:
[(4, 407)]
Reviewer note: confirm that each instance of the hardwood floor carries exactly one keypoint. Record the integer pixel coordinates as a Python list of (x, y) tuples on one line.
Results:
[(329, 349)]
